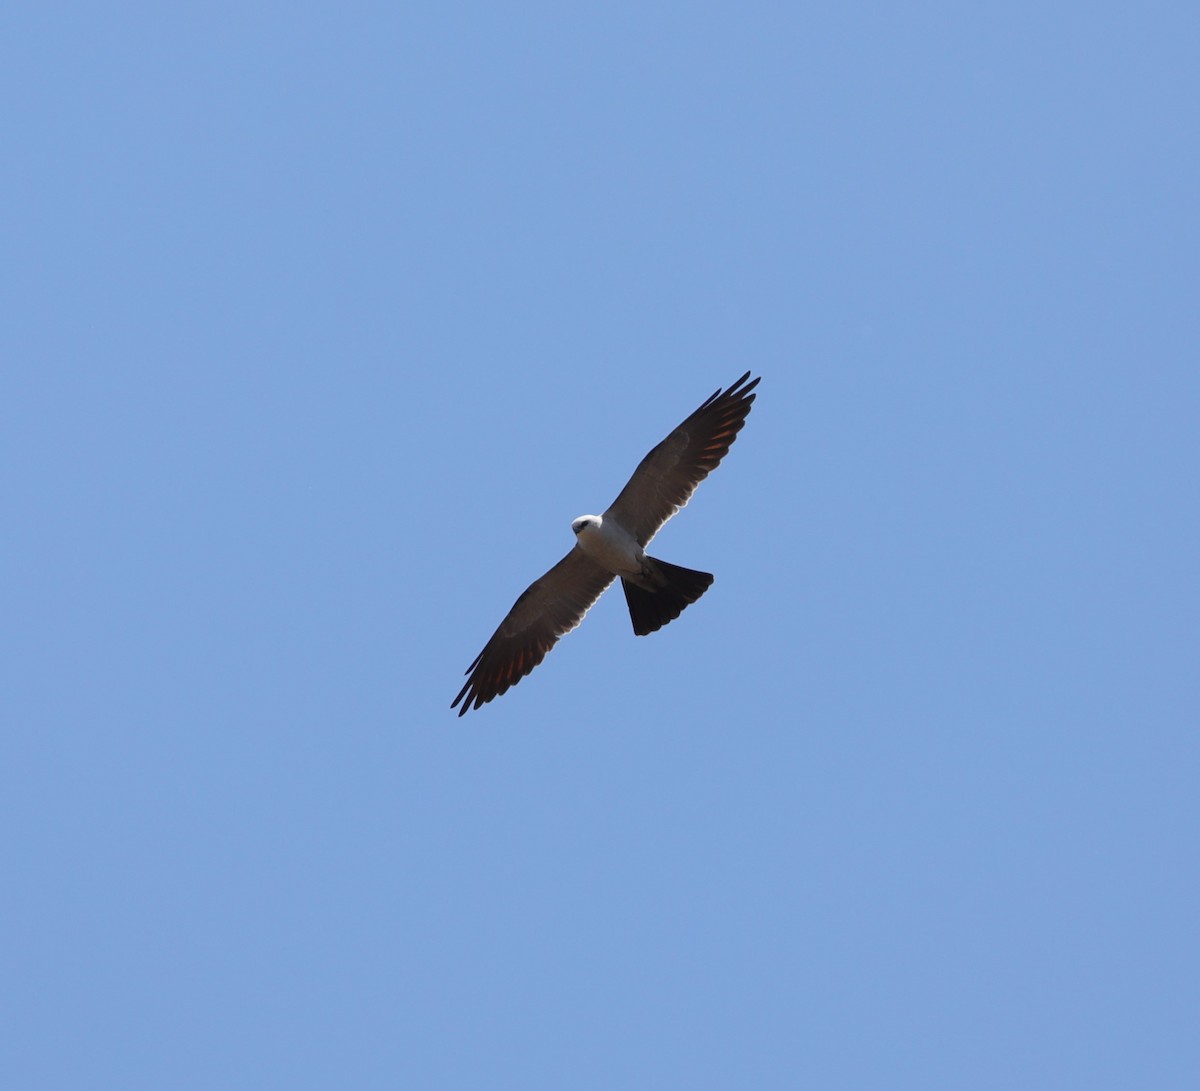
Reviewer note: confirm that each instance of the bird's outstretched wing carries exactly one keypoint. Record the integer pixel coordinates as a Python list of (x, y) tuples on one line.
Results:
[(550, 607), (666, 478)]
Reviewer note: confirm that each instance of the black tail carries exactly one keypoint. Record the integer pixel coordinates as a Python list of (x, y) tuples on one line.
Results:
[(675, 588)]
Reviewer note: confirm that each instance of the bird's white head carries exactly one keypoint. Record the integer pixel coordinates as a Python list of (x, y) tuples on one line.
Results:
[(586, 521)]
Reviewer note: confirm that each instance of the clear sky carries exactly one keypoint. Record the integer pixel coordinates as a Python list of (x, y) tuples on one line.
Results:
[(321, 323)]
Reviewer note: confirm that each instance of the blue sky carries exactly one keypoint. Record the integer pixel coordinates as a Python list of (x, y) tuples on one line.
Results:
[(322, 322)]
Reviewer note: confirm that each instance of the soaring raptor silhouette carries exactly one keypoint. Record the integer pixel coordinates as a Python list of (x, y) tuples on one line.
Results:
[(614, 544)]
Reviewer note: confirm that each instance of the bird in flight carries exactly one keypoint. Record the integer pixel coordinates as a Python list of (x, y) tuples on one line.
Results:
[(614, 544)]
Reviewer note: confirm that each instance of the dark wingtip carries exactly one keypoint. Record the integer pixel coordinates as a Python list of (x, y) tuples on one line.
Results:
[(732, 391), (735, 390), (741, 393)]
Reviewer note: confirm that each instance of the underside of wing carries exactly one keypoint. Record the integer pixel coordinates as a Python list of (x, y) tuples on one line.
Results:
[(666, 478), (549, 607)]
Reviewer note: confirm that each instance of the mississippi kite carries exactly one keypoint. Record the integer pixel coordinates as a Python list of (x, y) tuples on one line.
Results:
[(613, 544)]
